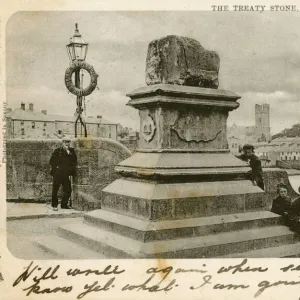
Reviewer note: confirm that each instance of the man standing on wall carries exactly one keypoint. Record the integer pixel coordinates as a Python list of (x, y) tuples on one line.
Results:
[(63, 163), (256, 173)]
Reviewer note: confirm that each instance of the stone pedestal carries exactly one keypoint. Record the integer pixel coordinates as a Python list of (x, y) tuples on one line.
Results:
[(181, 194), (182, 168)]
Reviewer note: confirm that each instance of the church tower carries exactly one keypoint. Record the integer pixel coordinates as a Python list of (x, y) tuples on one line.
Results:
[(262, 123)]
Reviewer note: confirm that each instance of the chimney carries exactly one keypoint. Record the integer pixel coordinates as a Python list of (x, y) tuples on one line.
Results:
[(31, 106), (44, 111), (22, 105)]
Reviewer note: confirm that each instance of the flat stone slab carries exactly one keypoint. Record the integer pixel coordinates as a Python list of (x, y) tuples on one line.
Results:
[(145, 230), (155, 191), (180, 161), (183, 91), (115, 245), (292, 250), (64, 249)]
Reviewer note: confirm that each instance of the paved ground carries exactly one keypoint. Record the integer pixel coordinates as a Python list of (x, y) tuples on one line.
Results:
[(17, 211), (31, 220), (19, 233)]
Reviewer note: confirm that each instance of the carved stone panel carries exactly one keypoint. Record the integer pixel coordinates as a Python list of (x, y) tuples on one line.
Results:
[(199, 129), (148, 128), (194, 128)]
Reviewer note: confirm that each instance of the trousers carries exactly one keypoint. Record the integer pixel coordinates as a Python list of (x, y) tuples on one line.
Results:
[(59, 180)]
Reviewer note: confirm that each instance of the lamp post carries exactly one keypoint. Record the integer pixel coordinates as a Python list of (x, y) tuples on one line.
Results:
[(77, 50)]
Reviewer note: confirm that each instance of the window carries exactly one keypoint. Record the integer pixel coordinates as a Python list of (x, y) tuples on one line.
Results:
[(285, 157), (22, 122), (45, 124), (294, 157), (22, 131), (32, 125)]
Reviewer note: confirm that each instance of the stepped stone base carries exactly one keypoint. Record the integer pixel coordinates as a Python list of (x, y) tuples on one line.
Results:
[(172, 201), (109, 235)]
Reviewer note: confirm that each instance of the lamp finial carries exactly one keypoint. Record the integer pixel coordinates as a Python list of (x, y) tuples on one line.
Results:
[(77, 30)]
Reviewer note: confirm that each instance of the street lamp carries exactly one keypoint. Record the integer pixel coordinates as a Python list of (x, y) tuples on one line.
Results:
[(77, 50), (78, 47)]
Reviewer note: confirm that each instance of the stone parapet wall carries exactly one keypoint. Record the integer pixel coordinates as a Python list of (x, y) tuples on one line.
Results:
[(95, 170), (288, 164), (271, 178), (29, 179), (28, 170)]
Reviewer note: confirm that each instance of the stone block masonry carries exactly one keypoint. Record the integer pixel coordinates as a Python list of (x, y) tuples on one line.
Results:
[(28, 171)]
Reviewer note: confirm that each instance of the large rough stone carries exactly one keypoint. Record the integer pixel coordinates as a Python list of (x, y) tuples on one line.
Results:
[(183, 61)]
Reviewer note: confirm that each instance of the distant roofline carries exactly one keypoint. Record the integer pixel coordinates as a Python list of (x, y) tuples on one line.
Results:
[(37, 116)]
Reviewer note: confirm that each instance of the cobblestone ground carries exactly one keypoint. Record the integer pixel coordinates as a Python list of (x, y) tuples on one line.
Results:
[(19, 233)]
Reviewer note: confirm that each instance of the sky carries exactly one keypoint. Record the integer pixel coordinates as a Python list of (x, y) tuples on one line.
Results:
[(259, 59)]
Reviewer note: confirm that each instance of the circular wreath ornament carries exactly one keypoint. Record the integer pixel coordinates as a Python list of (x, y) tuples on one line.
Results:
[(77, 65)]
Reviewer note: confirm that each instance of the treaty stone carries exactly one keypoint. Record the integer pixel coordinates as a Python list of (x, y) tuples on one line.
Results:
[(182, 61)]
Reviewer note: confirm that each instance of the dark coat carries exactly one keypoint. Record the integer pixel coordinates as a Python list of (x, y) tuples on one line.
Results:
[(62, 163), (281, 205), (296, 206), (256, 173), (289, 210)]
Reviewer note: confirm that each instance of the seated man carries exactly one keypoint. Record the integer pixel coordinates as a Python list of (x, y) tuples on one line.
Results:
[(284, 206), (256, 173)]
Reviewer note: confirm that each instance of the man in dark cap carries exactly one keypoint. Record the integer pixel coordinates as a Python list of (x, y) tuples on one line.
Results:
[(63, 162), (256, 173)]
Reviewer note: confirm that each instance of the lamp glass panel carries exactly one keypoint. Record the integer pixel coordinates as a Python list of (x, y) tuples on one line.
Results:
[(80, 51)]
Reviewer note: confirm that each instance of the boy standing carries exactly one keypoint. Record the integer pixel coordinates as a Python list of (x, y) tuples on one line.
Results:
[(256, 173)]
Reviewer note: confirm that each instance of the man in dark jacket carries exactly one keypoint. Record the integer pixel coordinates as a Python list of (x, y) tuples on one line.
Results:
[(284, 206), (256, 173), (63, 163)]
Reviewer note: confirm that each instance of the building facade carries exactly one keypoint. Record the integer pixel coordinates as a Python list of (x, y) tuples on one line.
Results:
[(239, 135), (283, 149), (22, 123)]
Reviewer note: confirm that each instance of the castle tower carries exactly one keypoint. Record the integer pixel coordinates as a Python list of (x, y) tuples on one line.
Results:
[(262, 122)]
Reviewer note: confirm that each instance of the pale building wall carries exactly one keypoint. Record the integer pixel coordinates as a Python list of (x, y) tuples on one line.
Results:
[(48, 129), (290, 155)]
